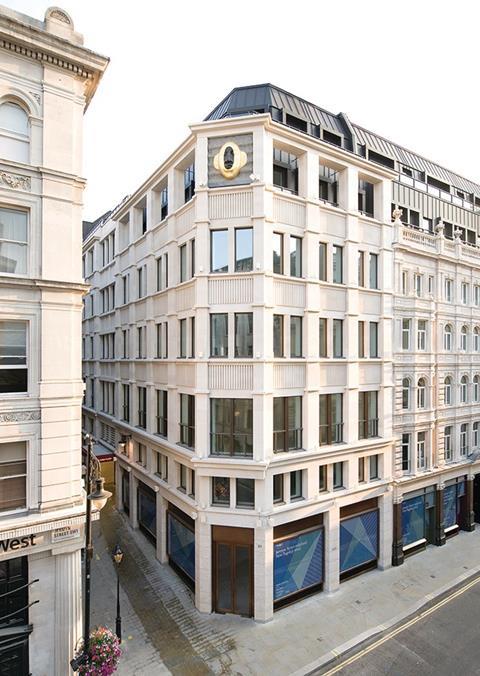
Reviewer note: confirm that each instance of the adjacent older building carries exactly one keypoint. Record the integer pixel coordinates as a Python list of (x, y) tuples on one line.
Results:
[(243, 352), (47, 79)]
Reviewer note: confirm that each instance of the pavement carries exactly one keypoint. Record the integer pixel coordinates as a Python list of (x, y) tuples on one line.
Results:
[(164, 633)]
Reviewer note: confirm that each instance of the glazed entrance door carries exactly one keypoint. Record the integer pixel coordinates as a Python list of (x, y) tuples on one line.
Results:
[(233, 583)]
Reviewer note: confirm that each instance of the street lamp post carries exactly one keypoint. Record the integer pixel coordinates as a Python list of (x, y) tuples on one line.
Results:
[(117, 556), (98, 499)]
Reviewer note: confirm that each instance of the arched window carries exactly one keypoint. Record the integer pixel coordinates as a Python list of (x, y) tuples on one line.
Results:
[(14, 133), (464, 389), (406, 393), (421, 393), (447, 392), (476, 339), (447, 338), (476, 388), (463, 339)]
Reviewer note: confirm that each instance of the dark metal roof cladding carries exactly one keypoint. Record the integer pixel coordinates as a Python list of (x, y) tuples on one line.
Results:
[(260, 98)]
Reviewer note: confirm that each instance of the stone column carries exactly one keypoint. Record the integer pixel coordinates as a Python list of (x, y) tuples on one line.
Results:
[(203, 564), (263, 571), (440, 538), (161, 550), (469, 514), (397, 544), (386, 530), (68, 610), (332, 549)]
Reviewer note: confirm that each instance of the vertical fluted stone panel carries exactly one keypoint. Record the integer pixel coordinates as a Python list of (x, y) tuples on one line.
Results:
[(68, 609)]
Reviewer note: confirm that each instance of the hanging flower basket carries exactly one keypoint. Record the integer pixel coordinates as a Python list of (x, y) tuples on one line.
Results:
[(103, 655)]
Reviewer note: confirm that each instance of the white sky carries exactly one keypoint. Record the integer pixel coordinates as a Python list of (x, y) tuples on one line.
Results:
[(407, 70)]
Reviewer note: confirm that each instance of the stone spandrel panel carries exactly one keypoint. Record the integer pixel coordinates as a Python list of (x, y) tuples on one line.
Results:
[(228, 160)]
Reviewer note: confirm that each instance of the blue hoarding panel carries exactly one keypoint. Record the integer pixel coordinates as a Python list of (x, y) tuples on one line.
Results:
[(450, 505), (413, 519), (358, 540), (297, 563), (181, 546)]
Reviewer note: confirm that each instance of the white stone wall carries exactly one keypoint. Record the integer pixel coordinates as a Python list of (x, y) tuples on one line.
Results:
[(46, 182)]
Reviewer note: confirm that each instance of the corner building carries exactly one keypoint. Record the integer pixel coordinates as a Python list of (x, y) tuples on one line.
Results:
[(47, 79)]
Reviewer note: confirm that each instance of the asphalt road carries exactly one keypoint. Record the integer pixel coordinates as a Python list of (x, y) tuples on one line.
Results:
[(445, 642)]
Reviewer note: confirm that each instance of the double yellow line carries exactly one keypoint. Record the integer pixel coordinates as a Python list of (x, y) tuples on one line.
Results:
[(403, 627)]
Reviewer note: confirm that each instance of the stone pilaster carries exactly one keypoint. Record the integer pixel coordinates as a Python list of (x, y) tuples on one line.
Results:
[(68, 610), (397, 544), (263, 571), (440, 538), (468, 517)]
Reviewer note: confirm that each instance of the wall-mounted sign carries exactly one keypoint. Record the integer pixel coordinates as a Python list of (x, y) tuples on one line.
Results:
[(65, 533), (14, 544)]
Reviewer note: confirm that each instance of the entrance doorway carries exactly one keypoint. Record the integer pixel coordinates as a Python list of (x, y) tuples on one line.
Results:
[(476, 497), (233, 570)]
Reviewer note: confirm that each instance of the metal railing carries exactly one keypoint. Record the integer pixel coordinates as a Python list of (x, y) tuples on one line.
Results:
[(368, 429), (287, 440), (236, 445), (330, 434)]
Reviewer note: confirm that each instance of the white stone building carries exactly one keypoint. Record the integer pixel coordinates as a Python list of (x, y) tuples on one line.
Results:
[(239, 339), (47, 79)]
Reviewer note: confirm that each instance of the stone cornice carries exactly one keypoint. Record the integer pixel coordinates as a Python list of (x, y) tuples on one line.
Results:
[(45, 284), (45, 47)]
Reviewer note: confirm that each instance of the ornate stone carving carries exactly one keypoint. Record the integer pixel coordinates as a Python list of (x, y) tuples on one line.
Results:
[(397, 215), (229, 160), (36, 96), (60, 16), (15, 181), (19, 416)]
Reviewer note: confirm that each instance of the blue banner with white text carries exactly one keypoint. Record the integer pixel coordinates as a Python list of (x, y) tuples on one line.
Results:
[(297, 563)]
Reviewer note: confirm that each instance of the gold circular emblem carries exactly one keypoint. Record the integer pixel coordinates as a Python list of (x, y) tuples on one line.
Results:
[(229, 160)]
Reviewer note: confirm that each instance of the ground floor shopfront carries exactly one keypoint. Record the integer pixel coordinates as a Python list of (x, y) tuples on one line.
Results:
[(252, 565), (430, 513), (40, 597)]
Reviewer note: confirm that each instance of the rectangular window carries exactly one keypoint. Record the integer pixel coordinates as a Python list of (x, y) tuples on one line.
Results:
[(431, 284), (277, 489), (125, 289), (367, 415), (183, 339), (278, 253), (141, 454), (162, 466), (422, 335), (162, 413), (183, 263), (142, 281), (405, 452), (404, 282), (192, 266), (322, 258), (361, 268), (13, 476), (464, 439), (144, 220), (475, 435), (365, 197), (285, 171), (141, 342), (231, 423), (246, 493), (221, 491), (192, 337), (418, 279), (337, 338), (464, 293), (182, 478), (373, 271), (219, 335), (322, 478), (476, 295), (187, 420), (243, 334), (361, 340), (361, 470), (126, 403), (296, 488), (278, 336), (295, 336), (189, 182), (447, 443), (243, 249), (287, 423), (219, 250), (295, 256), (330, 419), (405, 334), (373, 340), (164, 203), (421, 456), (322, 337), (338, 475), (337, 264), (13, 357), (142, 407), (13, 242), (373, 467), (448, 290)]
